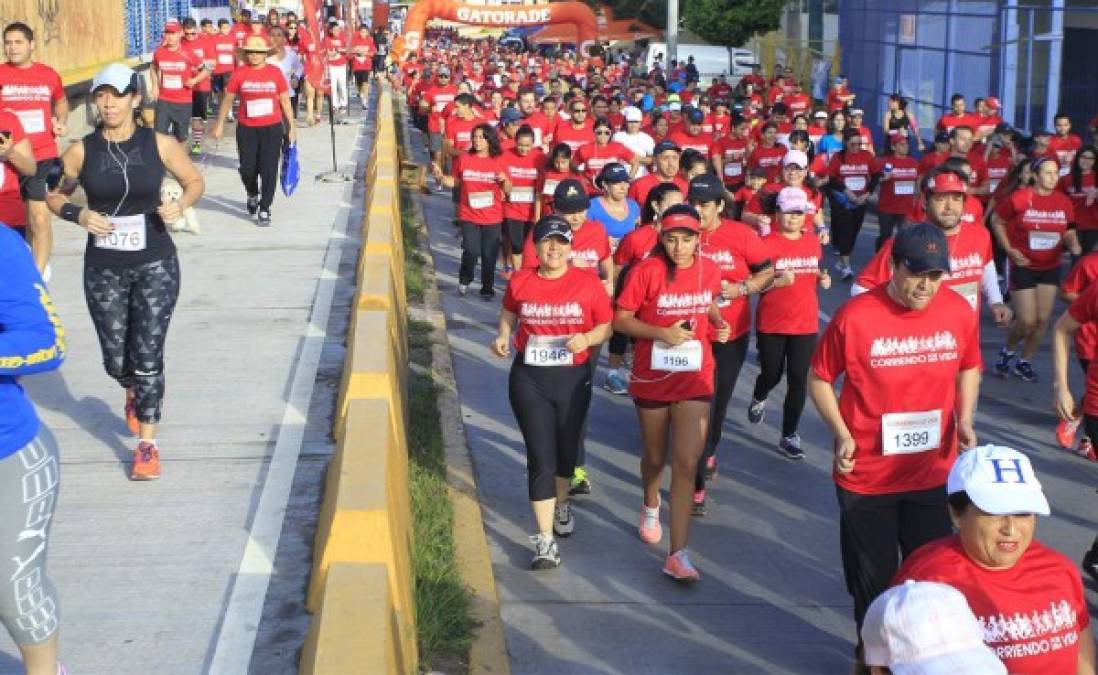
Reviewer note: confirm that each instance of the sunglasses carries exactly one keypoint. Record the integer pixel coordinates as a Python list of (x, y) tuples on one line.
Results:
[(602, 132), (576, 110)]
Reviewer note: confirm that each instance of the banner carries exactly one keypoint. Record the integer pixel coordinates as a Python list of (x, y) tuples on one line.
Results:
[(315, 72)]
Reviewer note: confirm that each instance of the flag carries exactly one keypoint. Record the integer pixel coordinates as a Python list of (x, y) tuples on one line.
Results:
[(315, 72)]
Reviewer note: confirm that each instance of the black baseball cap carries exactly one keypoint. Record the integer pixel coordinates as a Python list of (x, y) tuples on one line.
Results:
[(614, 172), (705, 188), (921, 248), (552, 226), (695, 116), (941, 137), (664, 146), (570, 197)]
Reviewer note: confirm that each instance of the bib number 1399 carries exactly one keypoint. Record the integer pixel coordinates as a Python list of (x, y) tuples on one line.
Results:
[(907, 433)]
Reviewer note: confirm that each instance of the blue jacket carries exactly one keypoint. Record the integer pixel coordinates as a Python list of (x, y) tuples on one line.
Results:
[(31, 339)]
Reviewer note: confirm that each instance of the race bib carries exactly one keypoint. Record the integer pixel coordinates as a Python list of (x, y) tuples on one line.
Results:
[(522, 195), (733, 170), (260, 107), (128, 234), (686, 358), (225, 59), (481, 200), (910, 433), (547, 350), (905, 187), (33, 121), (173, 81), (549, 188), (614, 243), (1043, 241), (969, 291), (855, 183)]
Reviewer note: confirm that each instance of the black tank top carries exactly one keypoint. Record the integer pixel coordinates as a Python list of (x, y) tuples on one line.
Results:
[(898, 123), (103, 182)]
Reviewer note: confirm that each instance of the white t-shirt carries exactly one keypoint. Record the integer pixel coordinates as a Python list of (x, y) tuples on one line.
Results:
[(291, 66), (640, 143)]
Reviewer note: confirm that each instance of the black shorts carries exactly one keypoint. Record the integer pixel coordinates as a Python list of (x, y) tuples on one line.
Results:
[(220, 81), (173, 119), (1023, 278), (33, 188), (361, 77), (199, 101)]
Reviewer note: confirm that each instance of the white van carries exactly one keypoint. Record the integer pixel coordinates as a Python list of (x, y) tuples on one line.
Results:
[(711, 60)]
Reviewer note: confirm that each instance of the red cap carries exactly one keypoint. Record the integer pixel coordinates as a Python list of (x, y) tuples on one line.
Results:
[(895, 137), (173, 26), (993, 103), (680, 217), (946, 182)]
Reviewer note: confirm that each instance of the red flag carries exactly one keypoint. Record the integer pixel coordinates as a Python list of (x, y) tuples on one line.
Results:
[(315, 72)]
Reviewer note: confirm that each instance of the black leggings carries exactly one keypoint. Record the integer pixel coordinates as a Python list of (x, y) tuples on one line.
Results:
[(887, 223), (789, 355), (260, 151), (516, 234), (728, 358), (479, 242), (550, 404), (619, 342), (845, 226), (131, 308)]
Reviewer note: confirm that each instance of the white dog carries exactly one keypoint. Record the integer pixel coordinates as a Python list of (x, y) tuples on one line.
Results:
[(170, 190)]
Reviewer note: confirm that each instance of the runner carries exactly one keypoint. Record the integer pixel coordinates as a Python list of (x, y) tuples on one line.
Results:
[(746, 269), (578, 130), (1034, 226), (787, 317), (334, 48), (175, 70), (590, 158), (556, 314), (666, 170), (202, 48), (363, 49), (729, 154), (266, 122), (852, 177), (1081, 186), (16, 160), (523, 165), (897, 195), (894, 443), (33, 91), (768, 153), (899, 118), (289, 62), (1075, 326), (131, 272), (1064, 144), (224, 47), (558, 167), (638, 142)]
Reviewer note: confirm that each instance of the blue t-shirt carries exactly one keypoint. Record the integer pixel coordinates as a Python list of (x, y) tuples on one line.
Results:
[(615, 229), (829, 145), (31, 339)]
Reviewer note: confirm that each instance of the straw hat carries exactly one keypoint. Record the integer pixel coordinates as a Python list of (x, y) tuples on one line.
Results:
[(255, 43)]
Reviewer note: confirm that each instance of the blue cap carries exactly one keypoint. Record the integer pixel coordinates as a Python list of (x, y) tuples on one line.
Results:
[(552, 226), (510, 115), (837, 80), (695, 116), (614, 172), (664, 146), (921, 248)]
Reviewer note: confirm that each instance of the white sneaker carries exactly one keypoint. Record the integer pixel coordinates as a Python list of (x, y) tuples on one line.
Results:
[(563, 522), (546, 554)]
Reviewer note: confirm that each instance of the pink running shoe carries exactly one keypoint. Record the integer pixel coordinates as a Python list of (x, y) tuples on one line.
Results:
[(650, 529), (679, 568), (1065, 433), (1086, 449)]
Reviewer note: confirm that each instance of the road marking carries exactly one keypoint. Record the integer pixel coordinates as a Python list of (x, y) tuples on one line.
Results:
[(240, 626)]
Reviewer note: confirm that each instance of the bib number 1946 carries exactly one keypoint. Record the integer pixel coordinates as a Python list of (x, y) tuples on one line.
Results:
[(547, 350)]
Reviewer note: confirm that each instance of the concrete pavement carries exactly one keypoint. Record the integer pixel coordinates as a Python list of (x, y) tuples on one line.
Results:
[(160, 577), (772, 597)]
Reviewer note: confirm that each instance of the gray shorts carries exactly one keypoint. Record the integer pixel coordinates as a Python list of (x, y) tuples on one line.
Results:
[(28, 495), (173, 119)]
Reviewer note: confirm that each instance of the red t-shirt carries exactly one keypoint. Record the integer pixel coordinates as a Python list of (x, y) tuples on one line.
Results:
[(1082, 277), (931, 160), (699, 143), (738, 252), (636, 245), (799, 104), (335, 50), (565, 132), (969, 253), (592, 157), (1036, 225), (542, 126), (733, 153), (30, 93), (459, 132), (203, 47), (574, 303), (883, 347), (795, 309), (176, 67), (363, 49), (259, 90), (856, 169), (659, 301), (480, 199), (437, 99), (547, 185), (1086, 216), (998, 166), (523, 172), (898, 193), (590, 246), (949, 121), (224, 47), (770, 159), (639, 189), (1033, 615), (1065, 148), (13, 211)]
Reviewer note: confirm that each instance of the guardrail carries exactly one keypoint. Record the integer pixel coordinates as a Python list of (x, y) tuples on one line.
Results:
[(360, 590)]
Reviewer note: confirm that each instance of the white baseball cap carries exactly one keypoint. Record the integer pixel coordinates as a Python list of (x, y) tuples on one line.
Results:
[(675, 106), (797, 157), (998, 480), (926, 628), (633, 114), (794, 200)]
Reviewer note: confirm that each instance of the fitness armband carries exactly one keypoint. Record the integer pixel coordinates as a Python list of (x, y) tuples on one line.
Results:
[(71, 212)]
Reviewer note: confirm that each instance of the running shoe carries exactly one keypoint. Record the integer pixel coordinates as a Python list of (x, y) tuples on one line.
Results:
[(1065, 433), (1002, 364), (132, 423), (1024, 370), (264, 219), (846, 273), (698, 508), (755, 411), (546, 555), (463, 289), (487, 295), (678, 567), (650, 529), (563, 522), (710, 468), (615, 383), (146, 462), (1090, 562), (790, 446), (253, 204), (580, 484), (1086, 449)]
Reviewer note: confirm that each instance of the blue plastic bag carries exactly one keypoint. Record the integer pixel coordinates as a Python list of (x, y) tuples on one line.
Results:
[(291, 170)]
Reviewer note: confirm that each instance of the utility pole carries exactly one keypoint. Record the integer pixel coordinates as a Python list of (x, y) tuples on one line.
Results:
[(672, 33), (815, 26)]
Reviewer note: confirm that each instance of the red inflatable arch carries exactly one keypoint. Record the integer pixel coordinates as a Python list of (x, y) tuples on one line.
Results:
[(575, 13)]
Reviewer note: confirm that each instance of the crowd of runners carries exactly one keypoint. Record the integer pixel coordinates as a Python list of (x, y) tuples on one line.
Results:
[(672, 218)]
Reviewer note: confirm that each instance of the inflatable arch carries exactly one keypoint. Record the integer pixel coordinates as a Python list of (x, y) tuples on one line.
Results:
[(575, 13)]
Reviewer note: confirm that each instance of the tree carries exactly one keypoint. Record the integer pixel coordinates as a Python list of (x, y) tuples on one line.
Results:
[(732, 22)]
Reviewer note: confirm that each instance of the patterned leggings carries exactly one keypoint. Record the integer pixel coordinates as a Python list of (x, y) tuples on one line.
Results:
[(131, 308)]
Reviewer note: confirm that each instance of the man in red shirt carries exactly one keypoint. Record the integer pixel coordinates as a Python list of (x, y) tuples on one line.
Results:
[(1065, 144), (691, 137), (363, 49), (665, 169), (435, 99), (797, 101), (577, 131), (33, 91), (175, 72), (224, 48), (838, 97), (957, 117), (894, 443), (202, 47)]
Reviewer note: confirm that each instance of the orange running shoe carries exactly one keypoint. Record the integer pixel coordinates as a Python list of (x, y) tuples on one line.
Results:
[(146, 462), (131, 413), (1065, 433), (679, 567), (1086, 449)]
